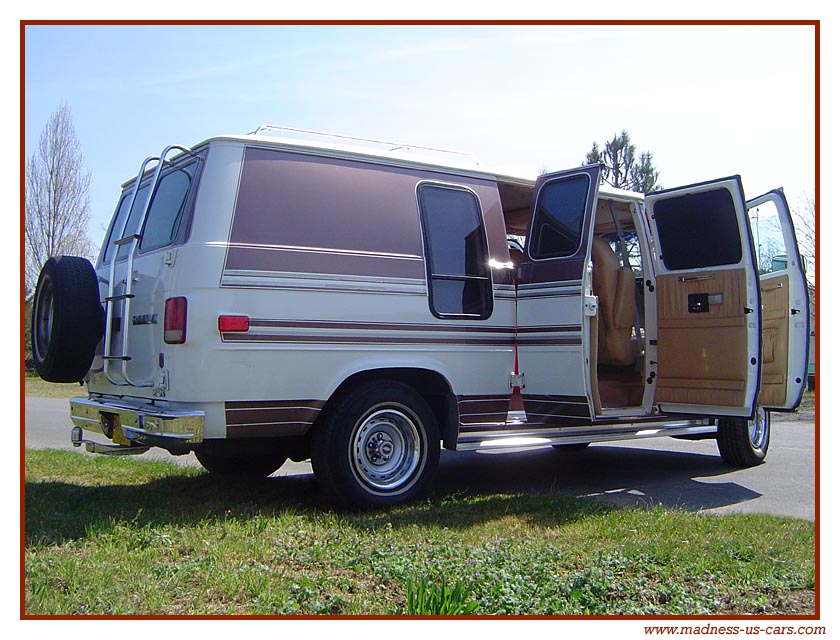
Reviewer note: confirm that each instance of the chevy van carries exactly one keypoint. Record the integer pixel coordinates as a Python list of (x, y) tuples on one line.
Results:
[(362, 304)]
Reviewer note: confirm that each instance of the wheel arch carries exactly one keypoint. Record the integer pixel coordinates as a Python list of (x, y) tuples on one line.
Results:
[(432, 386)]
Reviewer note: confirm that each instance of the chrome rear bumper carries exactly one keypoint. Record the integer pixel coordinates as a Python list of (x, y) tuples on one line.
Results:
[(141, 424)]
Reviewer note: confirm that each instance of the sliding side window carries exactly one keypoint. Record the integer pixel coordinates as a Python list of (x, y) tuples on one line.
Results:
[(457, 261)]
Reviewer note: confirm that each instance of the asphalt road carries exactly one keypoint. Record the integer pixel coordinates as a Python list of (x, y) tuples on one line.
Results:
[(675, 473)]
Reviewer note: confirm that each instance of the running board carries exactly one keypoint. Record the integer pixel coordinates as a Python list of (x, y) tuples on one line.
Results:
[(524, 437)]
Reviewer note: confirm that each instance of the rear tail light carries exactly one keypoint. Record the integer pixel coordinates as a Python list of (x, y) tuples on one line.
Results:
[(175, 321), (228, 324)]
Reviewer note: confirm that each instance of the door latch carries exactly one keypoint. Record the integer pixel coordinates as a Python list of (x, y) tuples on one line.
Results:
[(161, 384)]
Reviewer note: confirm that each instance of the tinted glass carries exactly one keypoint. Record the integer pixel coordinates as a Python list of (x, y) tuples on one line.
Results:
[(453, 232), (559, 220), (460, 297), (456, 252), (133, 218), (167, 208), (116, 227), (698, 230)]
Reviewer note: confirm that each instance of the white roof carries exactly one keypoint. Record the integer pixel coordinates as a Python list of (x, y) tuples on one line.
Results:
[(393, 152)]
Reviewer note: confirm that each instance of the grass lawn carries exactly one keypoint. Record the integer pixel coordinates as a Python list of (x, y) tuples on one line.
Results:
[(124, 536), (35, 386)]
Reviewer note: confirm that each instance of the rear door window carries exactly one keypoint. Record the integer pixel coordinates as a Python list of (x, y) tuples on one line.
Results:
[(167, 209), (698, 230), (166, 212), (119, 221)]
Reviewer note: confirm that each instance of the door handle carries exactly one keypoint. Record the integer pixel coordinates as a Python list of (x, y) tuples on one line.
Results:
[(778, 285), (705, 276)]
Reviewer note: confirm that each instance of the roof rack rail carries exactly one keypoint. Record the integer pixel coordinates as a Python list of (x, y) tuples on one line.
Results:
[(393, 146)]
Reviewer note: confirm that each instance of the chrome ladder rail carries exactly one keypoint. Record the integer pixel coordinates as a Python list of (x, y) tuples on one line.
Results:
[(133, 240)]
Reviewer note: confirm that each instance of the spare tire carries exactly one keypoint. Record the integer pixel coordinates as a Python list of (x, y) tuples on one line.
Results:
[(67, 319)]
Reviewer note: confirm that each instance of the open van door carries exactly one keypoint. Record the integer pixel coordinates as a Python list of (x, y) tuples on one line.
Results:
[(705, 355), (784, 301), (554, 313)]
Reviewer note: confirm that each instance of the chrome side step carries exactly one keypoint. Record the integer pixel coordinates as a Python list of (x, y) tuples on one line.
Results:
[(525, 435)]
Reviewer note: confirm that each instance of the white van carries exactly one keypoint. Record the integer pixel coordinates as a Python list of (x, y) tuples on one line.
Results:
[(363, 304)]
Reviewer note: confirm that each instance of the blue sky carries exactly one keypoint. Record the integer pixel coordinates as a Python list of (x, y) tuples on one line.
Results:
[(706, 101)]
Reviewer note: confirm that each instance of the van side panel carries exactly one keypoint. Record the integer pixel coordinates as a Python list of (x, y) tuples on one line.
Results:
[(325, 255), (301, 214)]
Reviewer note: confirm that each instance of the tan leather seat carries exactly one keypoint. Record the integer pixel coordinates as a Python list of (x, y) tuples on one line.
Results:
[(615, 287)]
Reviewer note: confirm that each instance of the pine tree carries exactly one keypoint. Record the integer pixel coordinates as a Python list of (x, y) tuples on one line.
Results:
[(621, 168)]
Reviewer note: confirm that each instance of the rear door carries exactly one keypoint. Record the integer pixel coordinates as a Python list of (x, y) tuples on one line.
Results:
[(136, 331), (705, 355), (784, 301)]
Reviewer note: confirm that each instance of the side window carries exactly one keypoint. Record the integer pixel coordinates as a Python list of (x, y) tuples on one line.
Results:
[(559, 218), (457, 261), (698, 230)]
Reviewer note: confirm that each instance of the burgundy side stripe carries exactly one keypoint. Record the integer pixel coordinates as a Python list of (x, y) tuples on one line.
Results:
[(483, 409), (246, 419)]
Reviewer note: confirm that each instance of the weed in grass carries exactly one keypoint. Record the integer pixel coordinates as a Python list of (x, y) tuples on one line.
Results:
[(430, 597)]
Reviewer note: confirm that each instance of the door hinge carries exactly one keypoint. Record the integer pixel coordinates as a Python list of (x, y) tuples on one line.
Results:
[(590, 306), (517, 380)]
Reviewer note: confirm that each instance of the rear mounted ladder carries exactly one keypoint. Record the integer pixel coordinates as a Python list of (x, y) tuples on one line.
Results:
[(111, 300)]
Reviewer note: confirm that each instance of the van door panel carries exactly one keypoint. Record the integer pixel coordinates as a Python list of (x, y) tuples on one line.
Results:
[(774, 341), (707, 338), (785, 326), (553, 335), (137, 331), (704, 348)]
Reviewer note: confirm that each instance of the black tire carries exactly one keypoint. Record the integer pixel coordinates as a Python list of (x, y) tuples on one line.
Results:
[(742, 442), (67, 319), (240, 466), (379, 446), (571, 448)]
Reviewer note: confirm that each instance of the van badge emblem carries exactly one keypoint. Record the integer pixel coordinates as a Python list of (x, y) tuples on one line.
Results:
[(145, 318)]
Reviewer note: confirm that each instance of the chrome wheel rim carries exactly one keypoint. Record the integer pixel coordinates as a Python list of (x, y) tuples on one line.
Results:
[(386, 449), (758, 429), (43, 325)]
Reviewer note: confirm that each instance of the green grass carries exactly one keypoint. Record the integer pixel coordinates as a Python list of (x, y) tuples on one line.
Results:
[(136, 537), (35, 386)]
